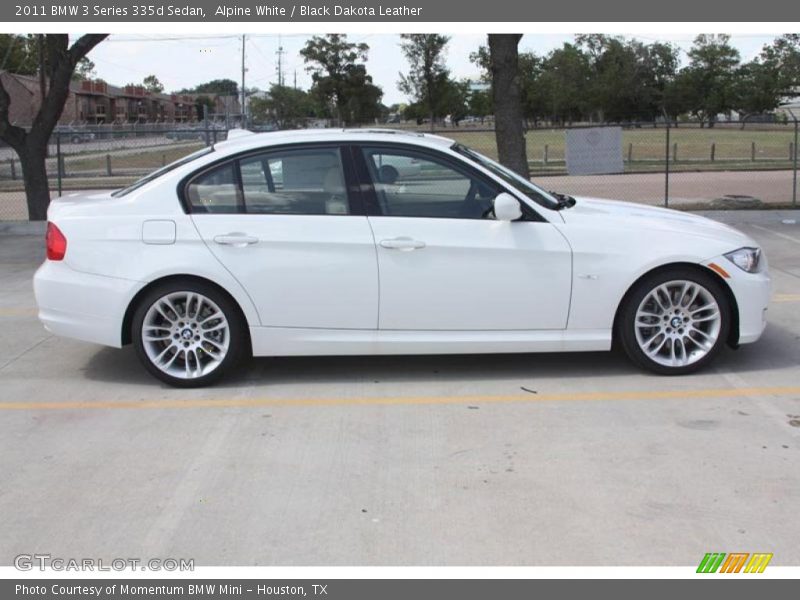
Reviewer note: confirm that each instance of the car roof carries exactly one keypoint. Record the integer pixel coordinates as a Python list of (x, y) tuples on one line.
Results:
[(240, 140)]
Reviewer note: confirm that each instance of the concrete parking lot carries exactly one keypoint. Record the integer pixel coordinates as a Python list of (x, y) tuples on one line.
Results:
[(570, 459)]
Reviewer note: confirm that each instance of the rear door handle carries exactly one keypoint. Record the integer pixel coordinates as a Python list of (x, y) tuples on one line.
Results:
[(240, 240), (404, 244)]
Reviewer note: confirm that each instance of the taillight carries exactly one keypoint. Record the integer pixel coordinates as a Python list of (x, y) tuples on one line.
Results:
[(56, 243)]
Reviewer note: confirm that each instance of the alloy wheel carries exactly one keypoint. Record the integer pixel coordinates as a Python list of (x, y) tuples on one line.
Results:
[(185, 335), (678, 323)]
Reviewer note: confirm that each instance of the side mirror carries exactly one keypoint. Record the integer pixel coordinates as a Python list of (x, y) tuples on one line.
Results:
[(506, 207)]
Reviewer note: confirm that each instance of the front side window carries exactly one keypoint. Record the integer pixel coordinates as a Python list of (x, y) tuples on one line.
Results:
[(508, 176), (215, 191), (414, 184), (295, 182)]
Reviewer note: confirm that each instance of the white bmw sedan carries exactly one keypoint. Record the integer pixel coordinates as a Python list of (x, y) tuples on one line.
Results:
[(318, 243)]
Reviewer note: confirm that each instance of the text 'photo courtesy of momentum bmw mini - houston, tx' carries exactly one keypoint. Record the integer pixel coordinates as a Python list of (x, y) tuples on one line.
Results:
[(350, 242)]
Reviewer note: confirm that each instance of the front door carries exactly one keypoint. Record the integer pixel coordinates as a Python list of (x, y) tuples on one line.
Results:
[(446, 264)]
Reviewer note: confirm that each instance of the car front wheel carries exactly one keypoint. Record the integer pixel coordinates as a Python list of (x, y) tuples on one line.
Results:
[(675, 322), (188, 334)]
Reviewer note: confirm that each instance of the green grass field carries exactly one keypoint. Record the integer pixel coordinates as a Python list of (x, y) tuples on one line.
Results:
[(692, 144), (146, 159)]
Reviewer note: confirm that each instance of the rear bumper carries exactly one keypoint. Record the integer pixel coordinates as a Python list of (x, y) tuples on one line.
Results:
[(80, 305)]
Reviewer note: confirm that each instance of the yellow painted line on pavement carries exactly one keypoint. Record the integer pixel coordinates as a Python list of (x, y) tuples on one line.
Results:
[(402, 400), (786, 298)]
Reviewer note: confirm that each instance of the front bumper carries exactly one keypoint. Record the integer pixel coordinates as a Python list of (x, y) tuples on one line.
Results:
[(752, 292), (81, 305)]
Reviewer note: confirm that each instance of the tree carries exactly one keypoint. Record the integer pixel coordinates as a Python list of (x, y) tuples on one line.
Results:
[(216, 87), (711, 76), (84, 70), (58, 61), (777, 70), (784, 55), (531, 67), (286, 106), (678, 96), (480, 103), (481, 59), (363, 103), (428, 78), (18, 54), (414, 112), (453, 100), (202, 104), (627, 78), (504, 67), (152, 84), (565, 83), (599, 76), (341, 85), (534, 99), (758, 89), (614, 83)]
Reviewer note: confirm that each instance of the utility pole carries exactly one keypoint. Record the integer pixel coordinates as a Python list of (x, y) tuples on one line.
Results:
[(295, 79), (280, 54), (244, 97)]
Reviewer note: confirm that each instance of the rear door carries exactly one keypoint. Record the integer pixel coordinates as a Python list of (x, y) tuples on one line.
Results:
[(288, 224)]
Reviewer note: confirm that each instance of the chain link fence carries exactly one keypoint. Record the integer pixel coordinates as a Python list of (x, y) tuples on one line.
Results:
[(100, 158), (680, 165)]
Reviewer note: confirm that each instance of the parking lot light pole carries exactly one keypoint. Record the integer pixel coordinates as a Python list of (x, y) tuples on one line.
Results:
[(794, 161), (666, 163)]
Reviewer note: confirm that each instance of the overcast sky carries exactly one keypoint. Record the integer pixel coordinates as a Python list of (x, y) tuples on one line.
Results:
[(185, 61)]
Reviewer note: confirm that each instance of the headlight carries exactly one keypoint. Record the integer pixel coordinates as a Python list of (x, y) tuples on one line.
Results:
[(747, 259)]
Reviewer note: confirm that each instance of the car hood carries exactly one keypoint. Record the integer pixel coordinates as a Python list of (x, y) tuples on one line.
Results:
[(615, 214)]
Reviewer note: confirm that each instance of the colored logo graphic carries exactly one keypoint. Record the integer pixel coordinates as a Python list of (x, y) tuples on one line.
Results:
[(735, 562)]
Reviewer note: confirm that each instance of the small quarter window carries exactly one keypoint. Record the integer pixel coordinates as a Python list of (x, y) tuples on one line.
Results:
[(215, 191)]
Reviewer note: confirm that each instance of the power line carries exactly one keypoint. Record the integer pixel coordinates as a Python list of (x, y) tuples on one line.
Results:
[(117, 40)]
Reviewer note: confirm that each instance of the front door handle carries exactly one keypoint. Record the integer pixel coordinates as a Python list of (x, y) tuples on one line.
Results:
[(404, 244), (239, 240)]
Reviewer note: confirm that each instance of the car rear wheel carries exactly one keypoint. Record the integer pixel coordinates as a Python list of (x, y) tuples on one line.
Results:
[(188, 334), (675, 322)]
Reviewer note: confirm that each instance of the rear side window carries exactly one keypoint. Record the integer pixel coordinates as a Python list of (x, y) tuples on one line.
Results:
[(295, 182), (306, 181), (215, 191)]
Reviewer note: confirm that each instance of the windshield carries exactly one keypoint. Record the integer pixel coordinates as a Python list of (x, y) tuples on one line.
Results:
[(518, 182), (166, 169)]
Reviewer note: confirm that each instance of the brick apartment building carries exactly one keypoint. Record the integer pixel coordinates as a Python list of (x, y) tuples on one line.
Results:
[(95, 102)]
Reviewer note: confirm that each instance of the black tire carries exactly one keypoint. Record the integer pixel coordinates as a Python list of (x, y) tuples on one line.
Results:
[(625, 332), (238, 341)]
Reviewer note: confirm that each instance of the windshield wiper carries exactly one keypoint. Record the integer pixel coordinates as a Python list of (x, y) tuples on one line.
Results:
[(564, 201)]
